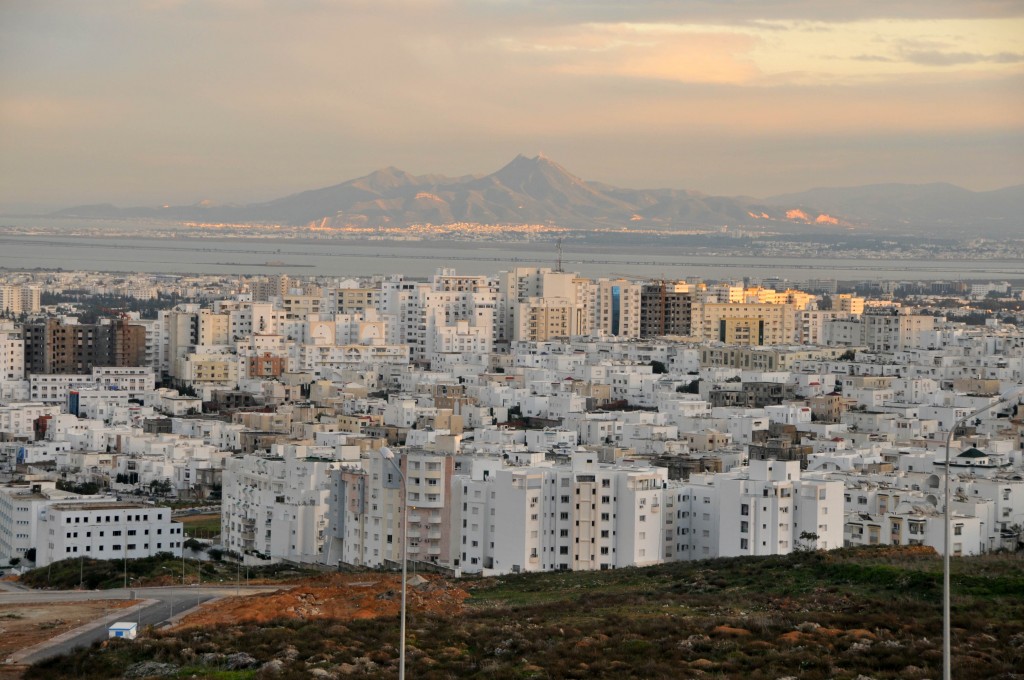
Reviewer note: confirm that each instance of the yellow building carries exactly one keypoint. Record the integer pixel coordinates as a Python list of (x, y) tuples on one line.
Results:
[(748, 324)]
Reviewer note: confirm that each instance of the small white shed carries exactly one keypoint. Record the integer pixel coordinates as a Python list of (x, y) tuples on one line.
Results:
[(127, 630)]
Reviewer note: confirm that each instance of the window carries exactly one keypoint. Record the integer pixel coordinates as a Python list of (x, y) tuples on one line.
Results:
[(744, 509)]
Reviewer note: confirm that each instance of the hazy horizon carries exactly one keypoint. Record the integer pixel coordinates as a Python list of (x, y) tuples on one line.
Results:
[(235, 101)]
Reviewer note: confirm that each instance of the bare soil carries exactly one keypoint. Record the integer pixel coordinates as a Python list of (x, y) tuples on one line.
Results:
[(24, 625), (334, 596)]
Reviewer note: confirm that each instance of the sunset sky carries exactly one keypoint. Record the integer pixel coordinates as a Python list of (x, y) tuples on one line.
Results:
[(144, 102)]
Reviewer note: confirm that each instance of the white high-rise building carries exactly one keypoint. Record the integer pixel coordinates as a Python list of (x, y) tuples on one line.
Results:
[(275, 506), (768, 508), (584, 516)]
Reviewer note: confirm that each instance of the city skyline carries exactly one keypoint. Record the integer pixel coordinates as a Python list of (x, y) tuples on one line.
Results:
[(176, 102)]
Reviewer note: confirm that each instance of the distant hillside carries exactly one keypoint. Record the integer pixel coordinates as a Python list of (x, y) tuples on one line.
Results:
[(928, 209), (539, 191)]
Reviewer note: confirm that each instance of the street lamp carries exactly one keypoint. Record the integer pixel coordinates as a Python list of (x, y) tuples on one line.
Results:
[(389, 456), (1004, 398)]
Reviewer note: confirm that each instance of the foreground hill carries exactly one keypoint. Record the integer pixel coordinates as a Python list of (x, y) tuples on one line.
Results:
[(870, 612)]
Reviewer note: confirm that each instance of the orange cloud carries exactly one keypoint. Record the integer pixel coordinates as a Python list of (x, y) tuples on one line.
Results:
[(825, 219), (797, 214)]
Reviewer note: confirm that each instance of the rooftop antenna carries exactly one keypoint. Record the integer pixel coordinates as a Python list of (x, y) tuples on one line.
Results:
[(559, 267)]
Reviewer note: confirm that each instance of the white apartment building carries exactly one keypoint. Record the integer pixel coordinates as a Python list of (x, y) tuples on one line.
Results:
[(584, 516), (12, 353), (132, 380), (105, 530), (275, 506), (18, 419), (365, 516), (20, 507), (762, 509), (617, 311)]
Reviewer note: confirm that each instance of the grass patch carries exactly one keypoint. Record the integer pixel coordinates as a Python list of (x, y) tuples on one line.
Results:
[(201, 526)]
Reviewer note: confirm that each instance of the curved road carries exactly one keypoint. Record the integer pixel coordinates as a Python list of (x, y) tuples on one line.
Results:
[(157, 606)]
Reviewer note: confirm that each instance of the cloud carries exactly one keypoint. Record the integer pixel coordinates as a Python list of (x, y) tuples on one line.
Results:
[(241, 99), (936, 58), (873, 57)]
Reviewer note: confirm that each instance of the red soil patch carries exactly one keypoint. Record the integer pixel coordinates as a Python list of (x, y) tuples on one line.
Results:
[(333, 596)]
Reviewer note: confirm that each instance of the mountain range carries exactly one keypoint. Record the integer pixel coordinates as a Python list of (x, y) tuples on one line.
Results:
[(539, 191)]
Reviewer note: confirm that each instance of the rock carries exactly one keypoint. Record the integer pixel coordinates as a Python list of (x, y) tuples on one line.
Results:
[(319, 673), (729, 631), (211, 659), (807, 627), (270, 669), (151, 669), (289, 653), (240, 660)]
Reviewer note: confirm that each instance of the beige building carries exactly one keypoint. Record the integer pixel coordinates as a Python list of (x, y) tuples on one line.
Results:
[(748, 324)]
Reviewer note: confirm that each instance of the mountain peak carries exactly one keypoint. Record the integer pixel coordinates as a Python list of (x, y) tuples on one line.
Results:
[(524, 170), (385, 179)]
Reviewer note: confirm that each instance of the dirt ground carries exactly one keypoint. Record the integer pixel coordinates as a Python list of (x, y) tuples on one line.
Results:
[(25, 625), (334, 596)]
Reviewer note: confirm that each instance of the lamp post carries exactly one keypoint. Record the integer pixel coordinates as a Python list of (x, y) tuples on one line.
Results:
[(947, 657), (389, 456)]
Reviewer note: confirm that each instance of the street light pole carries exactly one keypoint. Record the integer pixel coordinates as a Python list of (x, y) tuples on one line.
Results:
[(390, 457), (947, 656)]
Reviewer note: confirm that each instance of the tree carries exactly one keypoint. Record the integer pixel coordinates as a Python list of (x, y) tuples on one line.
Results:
[(848, 355), (808, 540), (658, 367), (692, 388), (30, 554)]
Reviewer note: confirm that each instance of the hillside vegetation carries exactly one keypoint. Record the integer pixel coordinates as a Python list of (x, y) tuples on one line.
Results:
[(842, 614), (162, 569)]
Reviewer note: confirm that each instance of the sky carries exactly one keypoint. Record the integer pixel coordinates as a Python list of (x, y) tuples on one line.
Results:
[(150, 102)]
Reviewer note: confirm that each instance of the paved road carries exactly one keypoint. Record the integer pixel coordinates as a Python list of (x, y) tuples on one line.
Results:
[(156, 607)]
